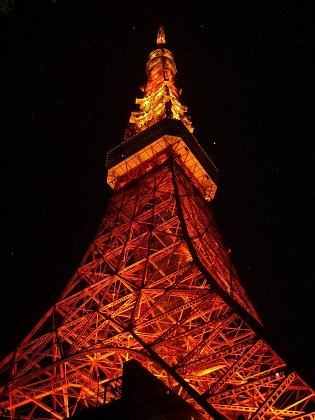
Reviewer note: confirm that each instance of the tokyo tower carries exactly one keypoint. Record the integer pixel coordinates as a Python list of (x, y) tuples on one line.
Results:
[(156, 285)]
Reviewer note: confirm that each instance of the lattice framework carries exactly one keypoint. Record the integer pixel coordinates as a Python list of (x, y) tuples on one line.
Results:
[(140, 293), (157, 284)]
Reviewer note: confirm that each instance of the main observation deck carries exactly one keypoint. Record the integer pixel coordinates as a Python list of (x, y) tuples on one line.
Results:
[(166, 136)]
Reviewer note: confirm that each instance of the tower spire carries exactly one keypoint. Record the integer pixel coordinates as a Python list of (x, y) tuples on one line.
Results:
[(161, 97), (160, 36)]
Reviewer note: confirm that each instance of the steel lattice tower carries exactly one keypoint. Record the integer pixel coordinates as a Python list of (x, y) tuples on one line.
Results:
[(157, 285)]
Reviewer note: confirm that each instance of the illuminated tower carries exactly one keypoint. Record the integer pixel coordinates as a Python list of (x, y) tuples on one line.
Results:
[(156, 285)]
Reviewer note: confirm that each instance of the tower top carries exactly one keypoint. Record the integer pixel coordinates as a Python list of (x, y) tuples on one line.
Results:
[(160, 129), (160, 36), (161, 97)]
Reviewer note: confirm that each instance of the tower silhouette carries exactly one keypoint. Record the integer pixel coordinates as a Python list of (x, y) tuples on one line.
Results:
[(156, 285)]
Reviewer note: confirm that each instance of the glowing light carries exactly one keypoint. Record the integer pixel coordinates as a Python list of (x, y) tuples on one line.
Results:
[(209, 370)]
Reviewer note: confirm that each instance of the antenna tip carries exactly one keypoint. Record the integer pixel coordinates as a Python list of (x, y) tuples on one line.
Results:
[(160, 36)]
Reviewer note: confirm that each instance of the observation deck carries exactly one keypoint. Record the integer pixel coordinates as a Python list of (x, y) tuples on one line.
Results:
[(136, 156)]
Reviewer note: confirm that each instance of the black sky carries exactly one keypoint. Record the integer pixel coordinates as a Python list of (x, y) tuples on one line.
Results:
[(71, 72)]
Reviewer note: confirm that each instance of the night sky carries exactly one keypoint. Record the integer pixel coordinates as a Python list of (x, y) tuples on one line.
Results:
[(71, 72)]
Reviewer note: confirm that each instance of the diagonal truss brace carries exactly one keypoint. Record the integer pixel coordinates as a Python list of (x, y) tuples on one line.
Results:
[(234, 368), (260, 413)]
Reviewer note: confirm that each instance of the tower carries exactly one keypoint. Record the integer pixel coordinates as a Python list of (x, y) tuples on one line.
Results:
[(156, 285)]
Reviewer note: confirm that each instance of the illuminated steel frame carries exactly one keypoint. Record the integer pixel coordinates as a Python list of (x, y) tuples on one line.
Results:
[(157, 284)]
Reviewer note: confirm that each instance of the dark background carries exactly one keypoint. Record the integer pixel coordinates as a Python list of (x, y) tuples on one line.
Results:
[(71, 72)]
